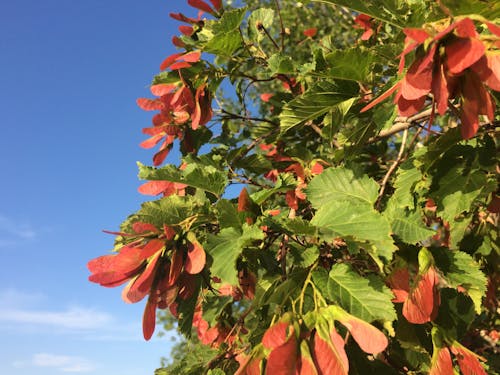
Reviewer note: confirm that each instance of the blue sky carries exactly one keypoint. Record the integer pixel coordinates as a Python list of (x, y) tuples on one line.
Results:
[(70, 72)]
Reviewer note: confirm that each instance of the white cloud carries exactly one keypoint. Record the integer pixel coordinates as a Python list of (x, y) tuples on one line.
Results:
[(64, 363), (16, 229), (13, 298), (76, 318)]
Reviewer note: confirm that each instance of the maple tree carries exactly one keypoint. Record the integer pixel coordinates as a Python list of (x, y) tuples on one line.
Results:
[(312, 225)]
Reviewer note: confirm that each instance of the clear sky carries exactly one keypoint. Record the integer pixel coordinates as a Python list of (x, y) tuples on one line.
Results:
[(70, 71)]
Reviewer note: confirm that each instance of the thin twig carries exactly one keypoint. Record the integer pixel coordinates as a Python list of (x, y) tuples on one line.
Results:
[(236, 116), (391, 170), (401, 123), (282, 33), (270, 37)]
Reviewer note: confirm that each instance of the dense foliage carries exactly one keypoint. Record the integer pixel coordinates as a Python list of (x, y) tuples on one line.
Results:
[(335, 208)]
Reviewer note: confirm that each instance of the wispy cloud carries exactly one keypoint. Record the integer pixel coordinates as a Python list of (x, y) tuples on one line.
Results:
[(17, 229), (76, 318), (62, 363)]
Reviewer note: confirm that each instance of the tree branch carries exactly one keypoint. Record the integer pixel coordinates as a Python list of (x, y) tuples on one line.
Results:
[(391, 170), (401, 123)]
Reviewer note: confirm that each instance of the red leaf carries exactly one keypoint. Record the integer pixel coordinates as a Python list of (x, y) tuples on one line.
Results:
[(418, 79), (469, 115), (149, 319), (149, 104), (196, 258), (186, 30), (381, 98), (423, 300), (243, 201), (217, 4), (160, 156), (466, 29), (170, 60), (201, 5), (305, 363), (156, 187), (180, 65), (441, 363), (192, 56), (140, 227), (407, 108), (291, 200), (467, 361), (440, 89), (330, 358), (495, 29), (462, 53), (275, 335), (418, 35), (310, 32), (176, 41), (114, 270), (369, 338), (399, 282), (162, 89), (152, 247), (266, 96), (140, 287), (175, 267), (283, 359)]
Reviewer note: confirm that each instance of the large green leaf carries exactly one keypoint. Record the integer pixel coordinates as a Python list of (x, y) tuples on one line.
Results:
[(341, 184), (367, 298), (170, 210), (352, 64), (226, 247), (205, 177), (488, 9), (409, 227), (226, 37), (407, 177), (457, 190), (358, 221), (317, 101)]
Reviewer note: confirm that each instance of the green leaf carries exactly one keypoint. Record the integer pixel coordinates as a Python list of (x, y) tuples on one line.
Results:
[(353, 64), (186, 310), (407, 177), (170, 210), (390, 11), (226, 37), (317, 101), (205, 177), (460, 269), (488, 9), (213, 305), (227, 214), (358, 221), (262, 16), (409, 227), (226, 247), (304, 257), (457, 191), (368, 299), (279, 63), (341, 184)]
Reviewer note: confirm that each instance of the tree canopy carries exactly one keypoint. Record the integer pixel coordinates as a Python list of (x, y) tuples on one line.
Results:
[(335, 205)]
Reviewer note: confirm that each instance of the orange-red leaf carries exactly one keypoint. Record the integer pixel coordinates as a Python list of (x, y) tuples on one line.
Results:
[(275, 335), (152, 247), (441, 363), (170, 60), (466, 29), (423, 300), (196, 258), (330, 357), (186, 30), (141, 286), (149, 319), (162, 89), (462, 53), (369, 338), (406, 107), (310, 32), (418, 35), (381, 98), (201, 5), (192, 57), (175, 267), (305, 363), (156, 187), (149, 104), (467, 361), (440, 89), (418, 79), (283, 359)]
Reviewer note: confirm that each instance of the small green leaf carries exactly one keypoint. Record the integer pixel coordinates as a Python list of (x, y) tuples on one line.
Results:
[(262, 16), (351, 64), (409, 227), (279, 63), (317, 101)]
